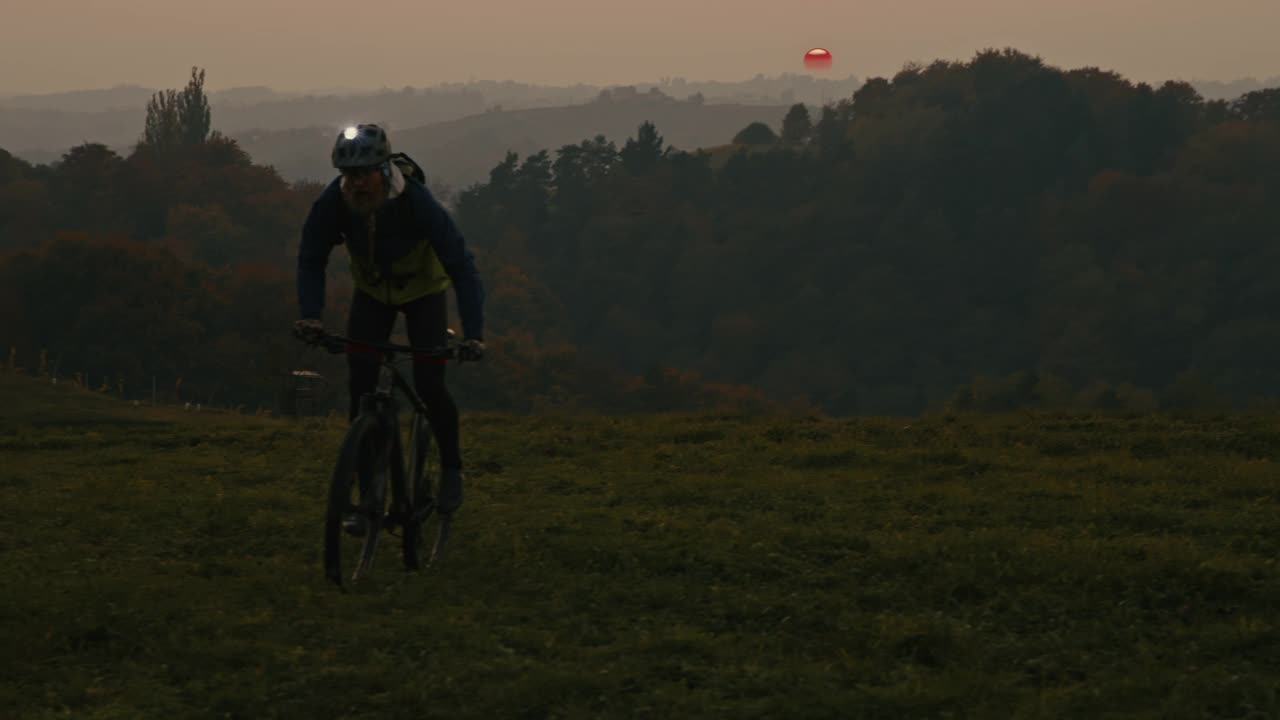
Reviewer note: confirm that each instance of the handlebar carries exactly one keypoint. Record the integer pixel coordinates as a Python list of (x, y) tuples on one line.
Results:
[(337, 344)]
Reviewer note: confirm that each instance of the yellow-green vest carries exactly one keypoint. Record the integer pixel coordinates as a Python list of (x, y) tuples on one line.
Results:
[(418, 273)]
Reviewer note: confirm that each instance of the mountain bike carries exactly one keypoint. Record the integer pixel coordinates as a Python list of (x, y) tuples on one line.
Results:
[(372, 459)]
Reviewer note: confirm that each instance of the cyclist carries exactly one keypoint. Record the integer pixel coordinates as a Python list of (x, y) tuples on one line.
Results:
[(405, 252)]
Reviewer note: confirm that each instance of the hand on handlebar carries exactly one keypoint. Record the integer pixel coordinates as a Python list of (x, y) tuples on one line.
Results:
[(312, 332)]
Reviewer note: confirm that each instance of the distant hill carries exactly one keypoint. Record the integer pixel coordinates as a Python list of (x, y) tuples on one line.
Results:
[(36, 127), (82, 101), (40, 128), (460, 152), (458, 144), (131, 97), (32, 131)]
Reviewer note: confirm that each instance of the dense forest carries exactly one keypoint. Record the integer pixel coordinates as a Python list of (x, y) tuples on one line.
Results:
[(988, 234)]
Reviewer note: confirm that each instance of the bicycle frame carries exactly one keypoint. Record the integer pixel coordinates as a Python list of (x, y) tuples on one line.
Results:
[(389, 376), (389, 380), (381, 403)]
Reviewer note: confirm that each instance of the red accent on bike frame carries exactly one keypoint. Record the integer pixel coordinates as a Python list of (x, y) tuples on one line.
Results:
[(425, 357), (358, 348)]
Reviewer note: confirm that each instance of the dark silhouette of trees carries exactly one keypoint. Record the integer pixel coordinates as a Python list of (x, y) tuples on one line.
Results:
[(162, 129), (179, 117), (1073, 236), (642, 153), (1259, 105), (757, 133), (797, 125)]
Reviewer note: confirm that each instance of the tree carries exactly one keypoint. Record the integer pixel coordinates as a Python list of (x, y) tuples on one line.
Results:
[(194, 116), (873, 95), (208, 233), (26, 210), (532, 191), (599, 158), (757, 133), (830, 132), (161, 129), (1263, 105), (85, 182), (12, 168), (178, 118), (642, 153), (569, 180), (797, 126)]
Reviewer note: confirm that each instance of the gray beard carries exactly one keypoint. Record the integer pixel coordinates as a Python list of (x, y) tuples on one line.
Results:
[(363, 208)]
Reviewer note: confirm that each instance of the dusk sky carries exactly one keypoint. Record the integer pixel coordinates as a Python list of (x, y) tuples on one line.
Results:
[(57, 45)]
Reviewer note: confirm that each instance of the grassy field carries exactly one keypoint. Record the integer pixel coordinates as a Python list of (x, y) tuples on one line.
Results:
[(159, 563)]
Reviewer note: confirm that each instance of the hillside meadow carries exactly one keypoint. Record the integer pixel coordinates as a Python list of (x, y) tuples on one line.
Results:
[(165, 563)]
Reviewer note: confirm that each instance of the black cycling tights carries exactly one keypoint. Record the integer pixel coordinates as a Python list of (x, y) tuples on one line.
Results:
[(426, 320)]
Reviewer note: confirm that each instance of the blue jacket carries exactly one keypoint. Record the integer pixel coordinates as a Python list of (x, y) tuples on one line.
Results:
[(400, 225)]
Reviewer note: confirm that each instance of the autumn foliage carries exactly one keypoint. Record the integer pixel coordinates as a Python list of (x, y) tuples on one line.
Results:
[(980, 235)]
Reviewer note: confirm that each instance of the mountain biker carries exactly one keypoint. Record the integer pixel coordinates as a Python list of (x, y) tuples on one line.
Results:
[(405, 252)]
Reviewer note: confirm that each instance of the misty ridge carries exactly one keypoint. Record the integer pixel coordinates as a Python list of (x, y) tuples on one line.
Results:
[(458, 129), (39, 128), (458, 153)]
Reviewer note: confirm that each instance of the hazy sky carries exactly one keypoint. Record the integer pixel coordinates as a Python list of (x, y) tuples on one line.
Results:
[(54, 45)]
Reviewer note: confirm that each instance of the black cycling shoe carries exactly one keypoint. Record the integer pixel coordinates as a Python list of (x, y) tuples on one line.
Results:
[(450, 498)]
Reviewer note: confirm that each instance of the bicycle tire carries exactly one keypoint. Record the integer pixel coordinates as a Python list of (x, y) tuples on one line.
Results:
[(420, 500), (363, 435)]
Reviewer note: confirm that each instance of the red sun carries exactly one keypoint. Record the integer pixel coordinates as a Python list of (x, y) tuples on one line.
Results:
[(817, 59)]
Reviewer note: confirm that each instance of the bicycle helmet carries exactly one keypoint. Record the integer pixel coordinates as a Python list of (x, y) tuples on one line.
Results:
[(363, 145)]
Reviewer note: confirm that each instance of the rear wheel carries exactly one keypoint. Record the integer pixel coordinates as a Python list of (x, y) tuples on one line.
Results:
[(420, 500), (357, 502)]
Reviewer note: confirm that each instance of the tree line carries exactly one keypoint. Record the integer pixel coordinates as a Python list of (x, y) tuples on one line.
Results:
[(987, 234), (984, 234)]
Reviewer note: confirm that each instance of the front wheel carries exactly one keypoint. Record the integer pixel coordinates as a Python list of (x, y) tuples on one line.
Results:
[(357, 501), (419, 501)]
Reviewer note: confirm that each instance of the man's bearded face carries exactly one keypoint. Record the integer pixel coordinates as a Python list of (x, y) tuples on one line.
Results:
[(365, 189)]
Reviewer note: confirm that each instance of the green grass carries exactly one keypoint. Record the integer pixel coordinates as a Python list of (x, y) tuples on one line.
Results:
[(159, 563)]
